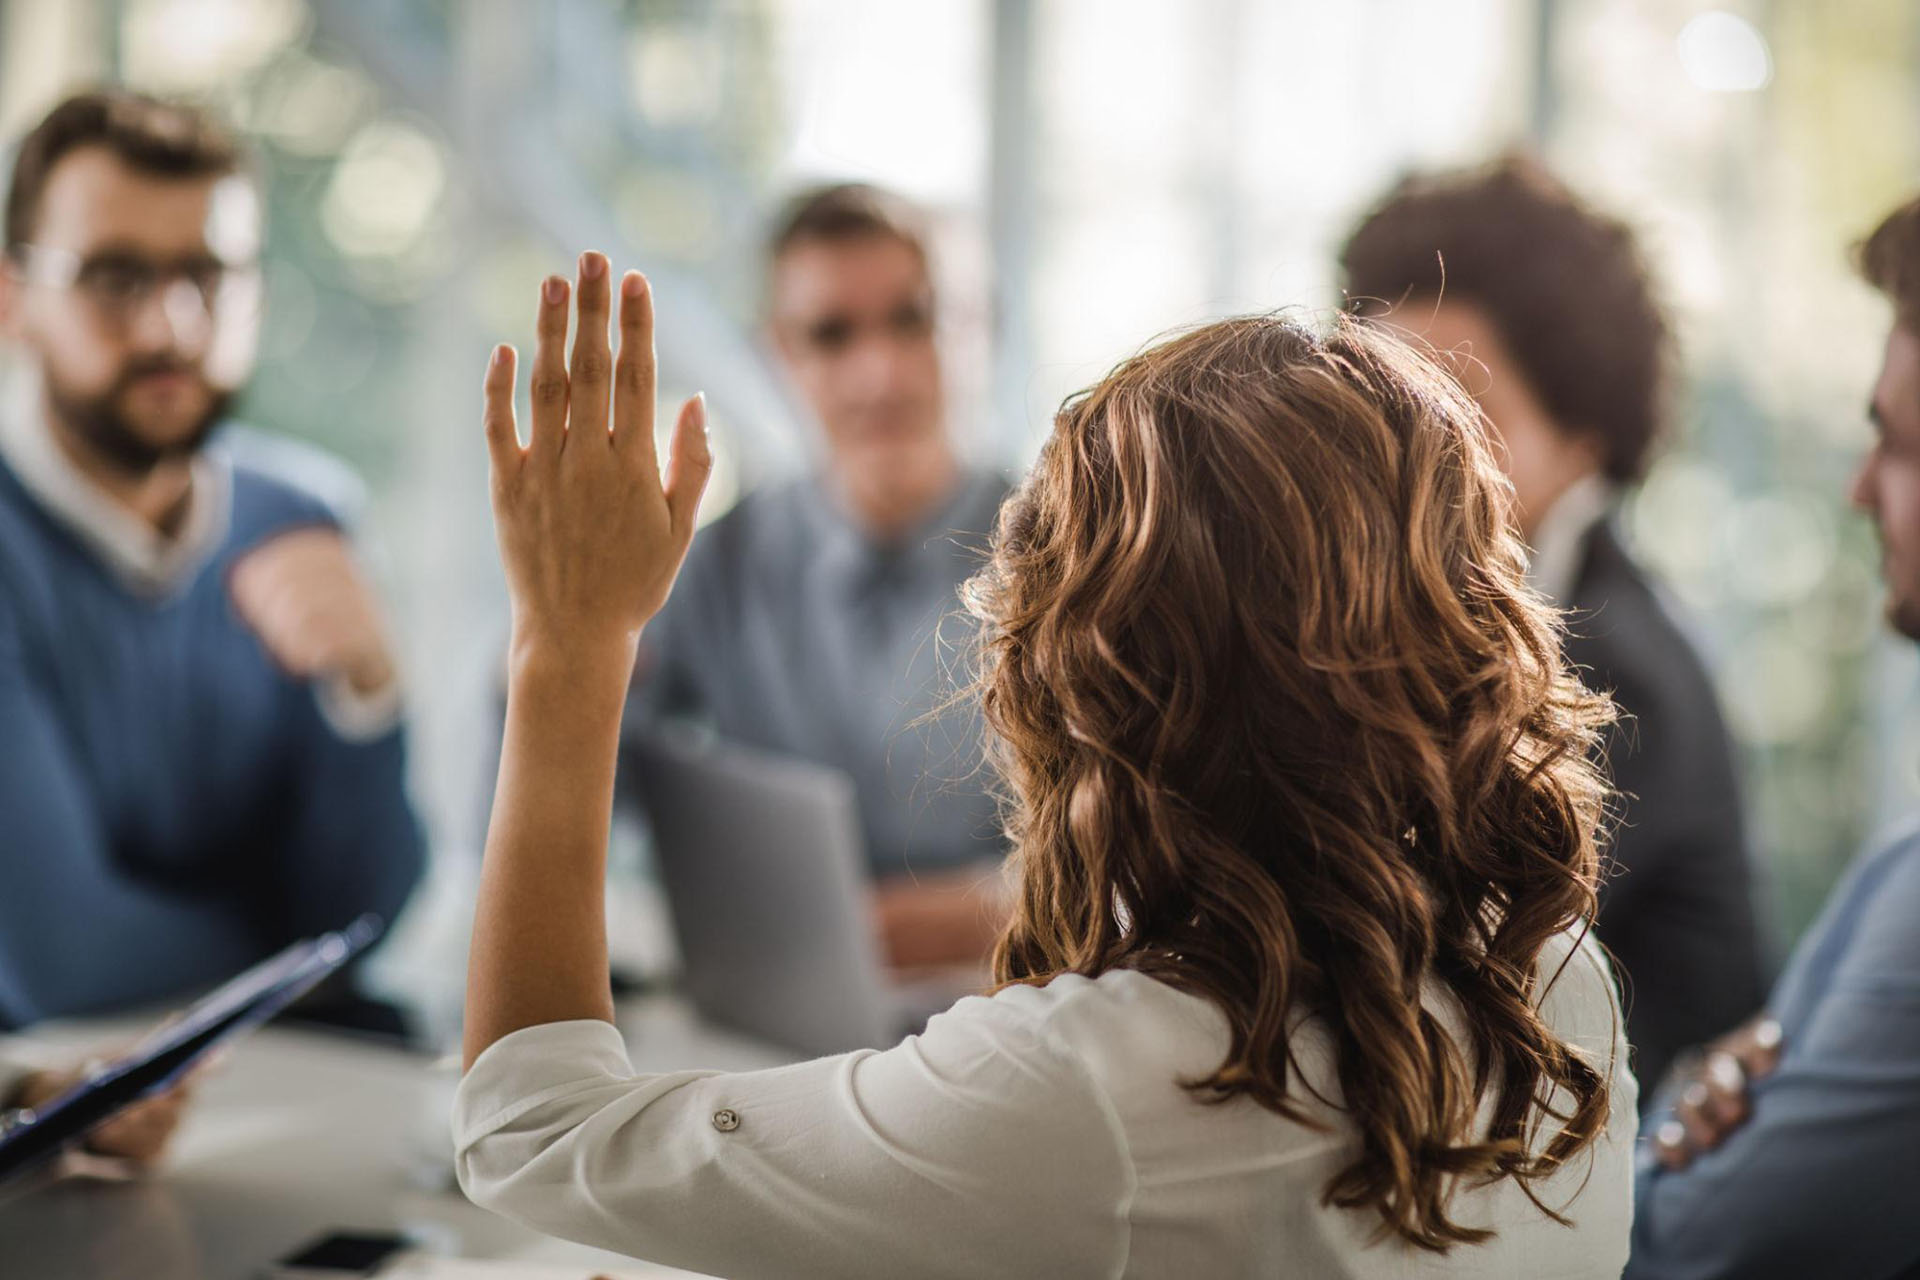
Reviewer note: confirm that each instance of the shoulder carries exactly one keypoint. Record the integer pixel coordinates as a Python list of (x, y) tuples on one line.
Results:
[(1127, 1040), (987, 491), (1883, 892), (1120, 1016), (1578, 993), (280, 483), (17, 513), (974, 517), (1631, 640), (769, 517), (31, 549), (1070, 1003), (297, 466)]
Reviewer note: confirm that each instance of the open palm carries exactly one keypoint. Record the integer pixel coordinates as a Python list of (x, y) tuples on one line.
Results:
[(590, 536)]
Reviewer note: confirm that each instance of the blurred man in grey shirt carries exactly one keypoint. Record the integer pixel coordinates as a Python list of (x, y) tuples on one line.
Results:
[(819, 619)]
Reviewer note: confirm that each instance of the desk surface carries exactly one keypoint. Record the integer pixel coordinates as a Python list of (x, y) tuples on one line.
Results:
[(300, 1133)]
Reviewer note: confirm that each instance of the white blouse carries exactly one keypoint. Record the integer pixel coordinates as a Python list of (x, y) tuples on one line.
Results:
[(1036, 1132)]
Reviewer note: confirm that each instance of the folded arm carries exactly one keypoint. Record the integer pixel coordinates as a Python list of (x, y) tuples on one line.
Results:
[(1819, 1180), (78, 931)]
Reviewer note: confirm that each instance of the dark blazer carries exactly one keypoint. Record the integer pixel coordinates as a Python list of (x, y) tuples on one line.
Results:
[(1677, 903)]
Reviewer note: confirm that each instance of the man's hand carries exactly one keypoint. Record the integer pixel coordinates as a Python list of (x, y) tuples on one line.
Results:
[(139, 1134), (940, 921), (1712, 1092), (302, 594)]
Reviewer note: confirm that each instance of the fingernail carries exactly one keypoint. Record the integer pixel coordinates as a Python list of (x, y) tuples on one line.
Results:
[(499, 356), (592, 266), (634, 285), (700, 411), (556, 289)]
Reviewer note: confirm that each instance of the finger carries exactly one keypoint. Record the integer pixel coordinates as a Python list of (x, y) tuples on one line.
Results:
[(1690, 1111), (140, 1133), (503, 434), (689, 467), (634, 374), (1670, 1145), (1725, 1086), (1726, 1080), (592, 366), (210, 1065), (1724, 1112), (1761, 1054), (547, 385)]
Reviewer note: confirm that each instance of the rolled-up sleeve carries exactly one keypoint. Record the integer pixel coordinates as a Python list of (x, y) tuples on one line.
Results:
[(980, 1147)]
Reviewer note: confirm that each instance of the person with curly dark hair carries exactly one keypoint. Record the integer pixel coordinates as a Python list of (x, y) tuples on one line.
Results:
[(1545, 310), (1304, 816)]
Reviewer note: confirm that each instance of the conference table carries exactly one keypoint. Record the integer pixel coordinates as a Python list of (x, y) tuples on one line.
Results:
[(299, 1133)]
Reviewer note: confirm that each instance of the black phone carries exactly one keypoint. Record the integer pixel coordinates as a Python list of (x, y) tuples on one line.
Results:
[(339, 1254)]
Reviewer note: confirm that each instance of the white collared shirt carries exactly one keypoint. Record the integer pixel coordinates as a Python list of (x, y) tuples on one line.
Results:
[(1561, 536), (1036, 1132)]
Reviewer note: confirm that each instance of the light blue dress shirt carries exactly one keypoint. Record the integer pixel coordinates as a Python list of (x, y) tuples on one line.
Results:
[(1824, 1178)]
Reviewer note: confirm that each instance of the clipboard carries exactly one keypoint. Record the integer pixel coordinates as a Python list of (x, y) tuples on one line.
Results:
[(29, 1136)]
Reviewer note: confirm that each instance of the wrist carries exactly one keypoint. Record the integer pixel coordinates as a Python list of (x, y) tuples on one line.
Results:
[(581, 661)]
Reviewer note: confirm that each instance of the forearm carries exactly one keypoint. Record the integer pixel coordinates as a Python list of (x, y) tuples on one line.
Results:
[(539, 950), (79, 930), (352, 843), (945, 918)]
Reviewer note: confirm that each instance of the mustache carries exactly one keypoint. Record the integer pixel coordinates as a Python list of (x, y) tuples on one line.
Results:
[(146, 366)]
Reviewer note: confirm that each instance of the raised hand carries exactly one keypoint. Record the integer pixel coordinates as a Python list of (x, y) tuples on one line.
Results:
[(590, 536), (592, 540)]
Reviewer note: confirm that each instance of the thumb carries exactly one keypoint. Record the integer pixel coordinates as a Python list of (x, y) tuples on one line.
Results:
[(689, 466)]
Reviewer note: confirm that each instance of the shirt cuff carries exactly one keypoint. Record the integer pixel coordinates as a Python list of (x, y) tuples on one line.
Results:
[(355, 716), (529, 1067)]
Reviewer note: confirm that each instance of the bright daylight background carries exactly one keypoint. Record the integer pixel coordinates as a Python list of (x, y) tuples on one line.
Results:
[(1103, 169)]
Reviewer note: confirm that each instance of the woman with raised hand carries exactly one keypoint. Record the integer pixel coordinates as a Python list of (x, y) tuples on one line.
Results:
[(1298, 982)]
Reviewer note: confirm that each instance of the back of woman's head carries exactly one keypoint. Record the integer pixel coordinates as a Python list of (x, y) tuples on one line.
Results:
[(1283, 726)]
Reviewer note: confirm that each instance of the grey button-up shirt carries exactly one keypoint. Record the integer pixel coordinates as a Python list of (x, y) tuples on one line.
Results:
[(793, 631)]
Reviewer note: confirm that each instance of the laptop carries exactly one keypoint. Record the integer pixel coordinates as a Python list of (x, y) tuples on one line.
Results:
[(760, 857)]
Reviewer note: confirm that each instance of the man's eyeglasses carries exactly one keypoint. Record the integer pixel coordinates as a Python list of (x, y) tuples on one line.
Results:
[(120, 285)]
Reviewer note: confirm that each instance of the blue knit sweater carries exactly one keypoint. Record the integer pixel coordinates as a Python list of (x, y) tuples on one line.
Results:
[(173, 807)]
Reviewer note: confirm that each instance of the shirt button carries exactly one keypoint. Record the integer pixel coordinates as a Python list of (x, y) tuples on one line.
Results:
[(726, 1120)]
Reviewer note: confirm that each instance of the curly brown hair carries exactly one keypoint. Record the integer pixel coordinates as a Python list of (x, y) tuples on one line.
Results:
[(1564, 284), (1282, 725)]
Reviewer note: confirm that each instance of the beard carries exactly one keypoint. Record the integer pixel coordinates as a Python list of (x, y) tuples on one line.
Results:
[(111, 435), (1903, 615)]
